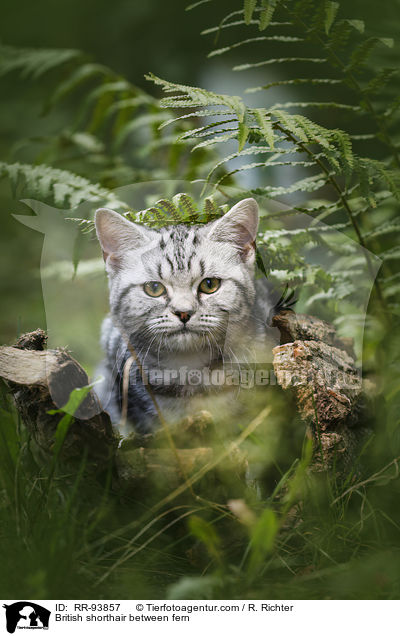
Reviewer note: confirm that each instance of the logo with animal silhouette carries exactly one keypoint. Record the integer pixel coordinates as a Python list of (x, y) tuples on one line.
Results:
[(26, 615)]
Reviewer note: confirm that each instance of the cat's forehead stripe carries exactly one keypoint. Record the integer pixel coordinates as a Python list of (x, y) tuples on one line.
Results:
[(189, 263), (170, 264), (178, 252), (176, 243)]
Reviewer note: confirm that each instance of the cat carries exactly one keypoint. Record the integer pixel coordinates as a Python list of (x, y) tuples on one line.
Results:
[(184, 308)]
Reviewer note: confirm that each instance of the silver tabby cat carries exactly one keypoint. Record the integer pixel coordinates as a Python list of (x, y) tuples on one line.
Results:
[(184, 307)]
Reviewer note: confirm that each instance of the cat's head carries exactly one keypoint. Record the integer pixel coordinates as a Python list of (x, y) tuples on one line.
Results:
[(181, 287)]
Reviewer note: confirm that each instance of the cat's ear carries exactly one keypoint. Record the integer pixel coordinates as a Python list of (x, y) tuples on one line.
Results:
[(238, 226), (116, 234)]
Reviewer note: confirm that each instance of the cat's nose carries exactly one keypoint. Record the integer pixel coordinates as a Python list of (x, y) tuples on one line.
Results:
[(184, 316)]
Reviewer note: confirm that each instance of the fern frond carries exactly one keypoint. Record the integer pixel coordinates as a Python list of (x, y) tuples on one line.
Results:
[(34, 62), (331, 9), (207, 129), (309, 184), (261, 38), (280, 60), (392, 254), (235, 23), (248, 9), (392, 109), (377, 170), (220, 139), (267, 11), (332, 105), (265, 124), (360, 54), (181, 209), (196, 113), (196, 4), (77, 78), (294, 82), (389, 227), (59, 187), (186, 207), (380, 80), (192, 96), (137, 124)]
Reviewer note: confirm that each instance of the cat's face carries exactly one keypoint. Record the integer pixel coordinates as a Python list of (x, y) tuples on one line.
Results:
[(181, 288)]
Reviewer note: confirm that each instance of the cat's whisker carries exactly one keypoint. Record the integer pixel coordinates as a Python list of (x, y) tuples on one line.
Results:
[(148, 349), (218, 347)]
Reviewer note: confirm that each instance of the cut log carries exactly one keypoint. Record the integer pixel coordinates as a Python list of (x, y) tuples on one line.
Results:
[(320, 369), (41, 381), (311, 361)]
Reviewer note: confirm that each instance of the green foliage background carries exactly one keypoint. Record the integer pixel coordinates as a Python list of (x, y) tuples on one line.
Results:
[(316, 125)]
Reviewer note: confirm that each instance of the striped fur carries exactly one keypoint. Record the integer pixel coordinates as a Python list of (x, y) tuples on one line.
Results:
[(221, 324)]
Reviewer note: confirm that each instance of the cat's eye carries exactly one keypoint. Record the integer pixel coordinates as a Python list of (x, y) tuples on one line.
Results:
[(209, 285), (154, 288)]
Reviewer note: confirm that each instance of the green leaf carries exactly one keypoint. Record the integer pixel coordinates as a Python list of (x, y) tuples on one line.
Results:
[(196, 4), (309, 184), (219, 139), (294, 82), (263, 537), (248, 10), (333, 105), (261, 38), (380, 80), (60, 187), (361, 53), (359, 25), (280, 60), (265, 124), (392, 108), (82, 74), (331, 9), (193, 96), (34, 62), (197, 113), (205, 131), (390, 227), (75, 400), (391, 255), (206, 533), (138, 123), (236, 23), (243, 132), (267, 11), (291, 123)]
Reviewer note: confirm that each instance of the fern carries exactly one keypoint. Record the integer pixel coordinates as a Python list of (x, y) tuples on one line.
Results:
[(355, 180), (111, 109), (57, 187), (181, 209), (33, 63), (335, 178)]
